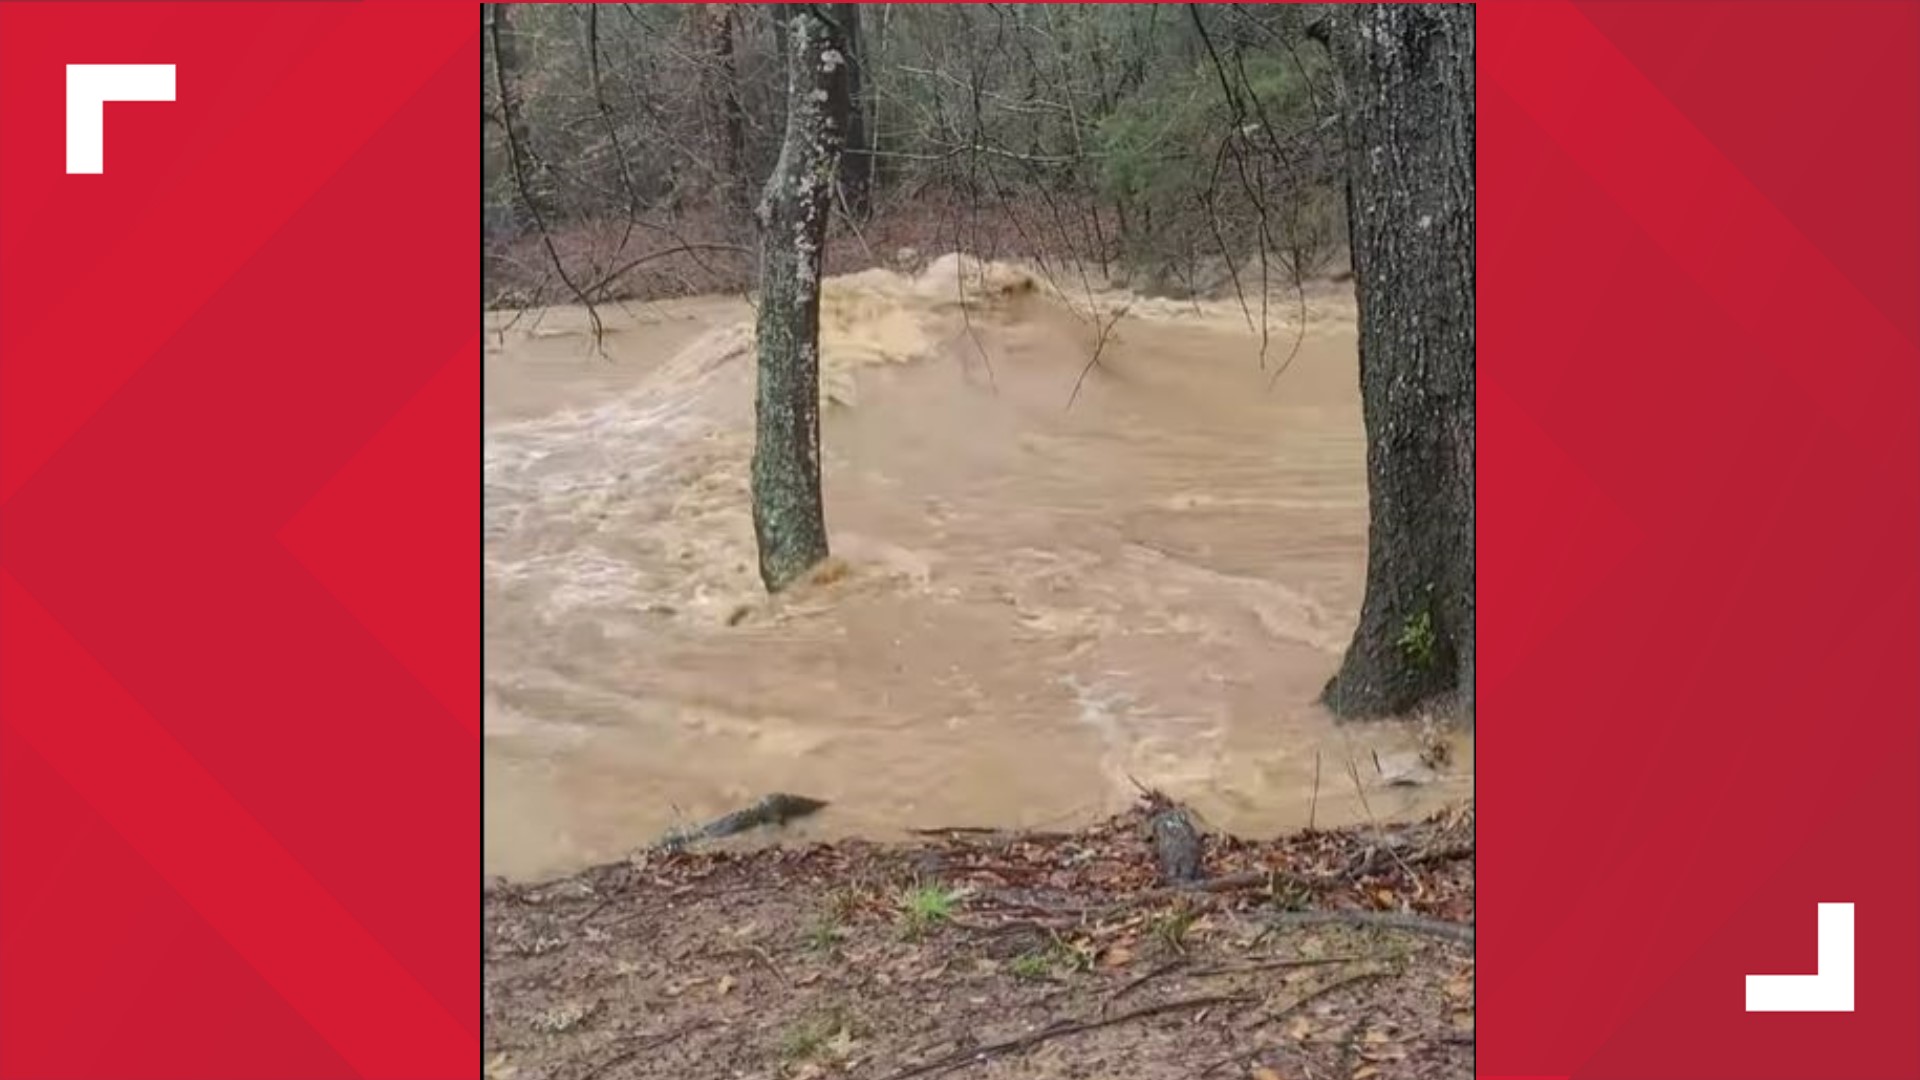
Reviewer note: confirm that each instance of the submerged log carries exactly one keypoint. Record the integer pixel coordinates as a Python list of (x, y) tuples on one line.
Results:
[(775, 809)]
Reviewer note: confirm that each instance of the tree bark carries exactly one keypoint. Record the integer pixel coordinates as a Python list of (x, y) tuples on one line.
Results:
[(1407, 75), (788, 520), (719, 103), (507, 60), (856, 172)]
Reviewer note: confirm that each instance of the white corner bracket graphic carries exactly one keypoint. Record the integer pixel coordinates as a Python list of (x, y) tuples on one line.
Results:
[(1829, 989), (89, 88)]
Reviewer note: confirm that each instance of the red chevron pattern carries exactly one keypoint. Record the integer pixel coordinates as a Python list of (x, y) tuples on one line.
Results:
[(239, 829), (239, 385), (1699, 502)]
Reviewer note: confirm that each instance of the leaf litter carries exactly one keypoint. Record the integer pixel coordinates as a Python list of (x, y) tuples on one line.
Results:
[(1061, 955)]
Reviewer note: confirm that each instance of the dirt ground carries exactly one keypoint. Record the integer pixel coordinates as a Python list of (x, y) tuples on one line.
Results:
[(1325, 954)]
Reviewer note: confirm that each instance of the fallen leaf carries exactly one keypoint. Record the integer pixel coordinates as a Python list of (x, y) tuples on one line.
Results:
[(498, 1069), (1385, 896), (1261, 1072), (1117, 956), (1463, 1021), (1375, 1037), (1299, 1028), (1365, 1071), (725, 985)]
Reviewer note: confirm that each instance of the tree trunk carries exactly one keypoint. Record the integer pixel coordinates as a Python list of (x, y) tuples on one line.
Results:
[(721, 112), (507, 62), (856, 173), (523, 168), (788, 521), (1407, 72)]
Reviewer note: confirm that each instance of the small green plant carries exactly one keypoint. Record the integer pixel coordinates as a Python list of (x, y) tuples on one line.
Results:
[(803, 1040), (1035, 964), (823, 935), (1170, 928), (925, 906), (1073, 955), (844, 903), (816, 1034), (1416, 640), (1057, 956)]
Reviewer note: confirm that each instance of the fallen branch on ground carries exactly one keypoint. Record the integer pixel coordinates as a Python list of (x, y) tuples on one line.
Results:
[(1135, 984), (1323, 991), (1297, 962), (647, 1044), (962, 1058), (1387, 920)]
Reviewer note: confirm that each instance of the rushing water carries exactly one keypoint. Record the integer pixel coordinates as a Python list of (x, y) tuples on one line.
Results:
[(1039, 605)]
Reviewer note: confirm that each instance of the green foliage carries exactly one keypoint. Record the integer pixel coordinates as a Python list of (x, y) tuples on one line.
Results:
[(924, 907), (815, 1034), (1144, 148), (1031, 965), (1057, 955), (1170, 928), (1083, 132), (823, 936), (1416, 641)]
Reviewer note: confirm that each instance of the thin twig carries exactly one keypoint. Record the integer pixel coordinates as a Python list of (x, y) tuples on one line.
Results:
[(1295, 962), (1382, 920), (1135, 984), (1099, 346), (1328, 988), (611, 276), (1313, 808), (975, 1055), (519, 167), (632, 1052), (1360, 790)]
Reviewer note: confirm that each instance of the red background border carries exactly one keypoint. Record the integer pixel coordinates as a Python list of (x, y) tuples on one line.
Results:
[(1699, 500), (238, 496), (239, 547)]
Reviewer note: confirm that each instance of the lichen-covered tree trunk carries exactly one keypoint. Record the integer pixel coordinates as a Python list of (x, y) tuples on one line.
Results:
[(789, 523), (1408, 100)]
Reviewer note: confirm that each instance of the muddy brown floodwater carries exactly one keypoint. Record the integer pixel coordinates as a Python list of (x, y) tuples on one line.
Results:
[(1040, 605)]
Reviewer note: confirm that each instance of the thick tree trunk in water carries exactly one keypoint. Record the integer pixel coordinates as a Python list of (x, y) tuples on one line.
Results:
[(1407, 71), (788, 521), (856, 172)]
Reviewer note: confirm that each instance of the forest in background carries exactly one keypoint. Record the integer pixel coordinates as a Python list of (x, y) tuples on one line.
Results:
[(1173, 149)]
